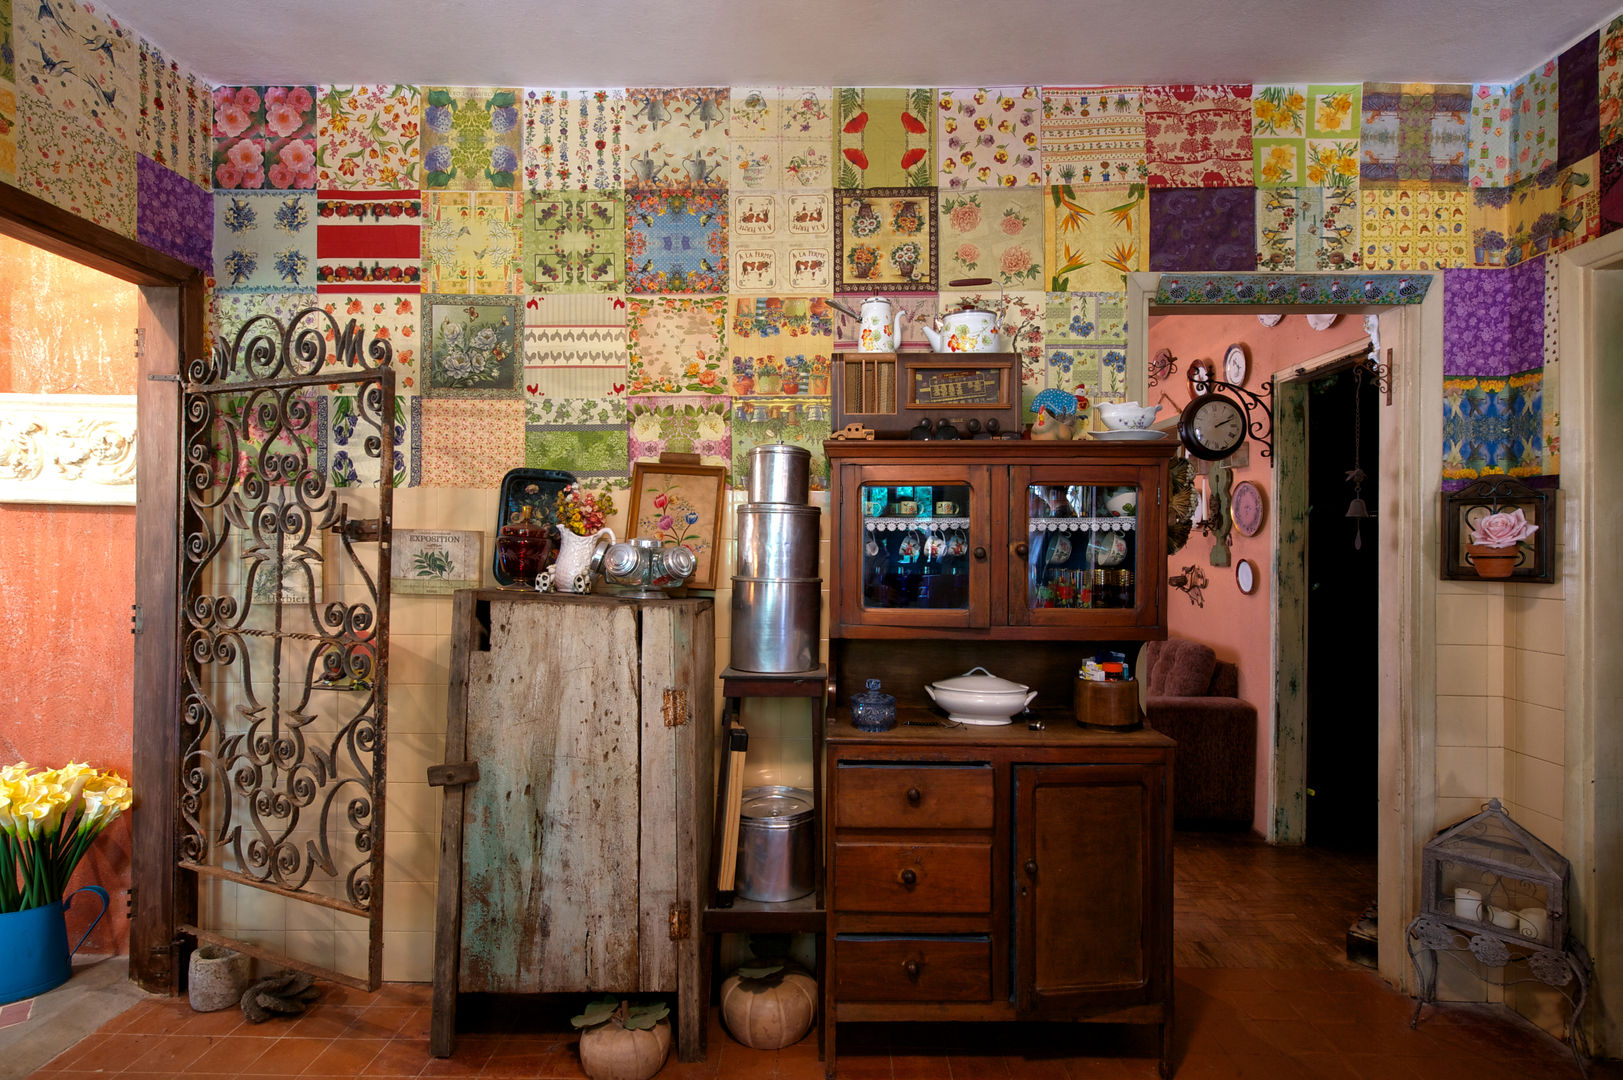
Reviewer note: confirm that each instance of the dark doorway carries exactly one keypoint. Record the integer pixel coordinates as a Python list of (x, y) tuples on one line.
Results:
[(1343, 433)]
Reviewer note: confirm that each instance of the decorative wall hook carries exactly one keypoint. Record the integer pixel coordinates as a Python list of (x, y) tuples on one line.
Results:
[(1192, 583)]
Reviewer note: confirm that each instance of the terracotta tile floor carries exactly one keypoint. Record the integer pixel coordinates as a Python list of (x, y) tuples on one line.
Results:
[(1263, 992)]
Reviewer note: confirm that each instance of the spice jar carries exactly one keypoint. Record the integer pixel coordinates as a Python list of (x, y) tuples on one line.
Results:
[(873, 710)]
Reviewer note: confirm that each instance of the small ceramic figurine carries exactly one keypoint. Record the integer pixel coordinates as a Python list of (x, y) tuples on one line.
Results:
[(1056, 414), (1050, 428)]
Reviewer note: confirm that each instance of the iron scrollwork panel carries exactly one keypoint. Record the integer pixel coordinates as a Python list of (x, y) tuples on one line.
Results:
[(284, 624)]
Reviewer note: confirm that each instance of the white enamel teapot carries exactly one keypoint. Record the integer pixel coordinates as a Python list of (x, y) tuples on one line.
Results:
[(969, 329), (881, 331)]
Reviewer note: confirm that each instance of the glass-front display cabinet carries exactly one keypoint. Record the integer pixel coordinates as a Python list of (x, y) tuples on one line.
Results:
[(1009, 538)]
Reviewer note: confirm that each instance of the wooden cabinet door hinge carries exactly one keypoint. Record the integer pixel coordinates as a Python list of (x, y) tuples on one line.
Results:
[(681, 921), (675, 708)]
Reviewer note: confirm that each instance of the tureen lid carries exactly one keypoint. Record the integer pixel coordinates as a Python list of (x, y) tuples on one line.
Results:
[(985, 682)]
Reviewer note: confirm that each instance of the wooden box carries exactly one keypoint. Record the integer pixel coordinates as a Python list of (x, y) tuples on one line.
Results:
[(892, 392), (1110, 705)]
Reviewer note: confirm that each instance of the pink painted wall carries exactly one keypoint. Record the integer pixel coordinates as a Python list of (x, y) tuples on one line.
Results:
[(67, 575), (1235, 625)]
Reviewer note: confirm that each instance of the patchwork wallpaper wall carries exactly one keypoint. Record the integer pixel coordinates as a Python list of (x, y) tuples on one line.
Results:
[(583, 278)]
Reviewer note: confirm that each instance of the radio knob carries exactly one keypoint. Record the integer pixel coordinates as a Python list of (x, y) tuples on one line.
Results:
[(992, 426)]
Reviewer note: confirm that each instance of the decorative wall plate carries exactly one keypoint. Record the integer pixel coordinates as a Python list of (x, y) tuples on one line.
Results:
[(1245, 575), (1200, 375), (1271, 319), (1236, 365), (1322, 320), (1247, 508)]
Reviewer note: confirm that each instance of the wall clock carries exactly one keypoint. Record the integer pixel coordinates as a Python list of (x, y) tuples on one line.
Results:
[(1212, 426), (1245, 576), (1236, 365), (1247, 508)]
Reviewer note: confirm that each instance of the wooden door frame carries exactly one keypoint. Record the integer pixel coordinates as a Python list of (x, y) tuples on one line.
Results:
[(174, 293)]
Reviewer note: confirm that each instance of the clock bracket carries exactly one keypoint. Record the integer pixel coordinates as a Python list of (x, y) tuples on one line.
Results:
[(1259, 415)]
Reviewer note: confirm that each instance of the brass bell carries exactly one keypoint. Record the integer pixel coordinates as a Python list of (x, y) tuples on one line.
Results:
[(1357, 509)]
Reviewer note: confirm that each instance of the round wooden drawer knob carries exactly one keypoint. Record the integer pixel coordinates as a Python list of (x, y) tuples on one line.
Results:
[(913, 796), (912, 969), (909, 878)]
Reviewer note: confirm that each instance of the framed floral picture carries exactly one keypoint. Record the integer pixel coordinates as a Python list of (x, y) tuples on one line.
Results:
[(681, 504)]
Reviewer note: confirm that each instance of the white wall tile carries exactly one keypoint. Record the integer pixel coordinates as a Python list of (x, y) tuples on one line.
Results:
[(1462, 670), (1462, 771), (1462, 721), (1462, 619), (1536, 677)]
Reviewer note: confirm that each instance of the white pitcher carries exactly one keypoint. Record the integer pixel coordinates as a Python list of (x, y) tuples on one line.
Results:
[(572, 572), (880, 331)]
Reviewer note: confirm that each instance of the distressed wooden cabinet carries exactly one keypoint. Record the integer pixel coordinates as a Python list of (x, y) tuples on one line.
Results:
[(575, 836), (998, 873)]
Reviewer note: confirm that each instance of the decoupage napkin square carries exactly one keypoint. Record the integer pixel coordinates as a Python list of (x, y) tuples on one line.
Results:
[(1093, 135), (1493, 322), (1203, 229), (781, 345), (677, 345), (781, 242), (1199, 135), (1579, 70), (575, 381), (1095, 235), (1416, 134), (265, 240), (885, 137), (1085, 341), (676, 241), (1491, 122), (471, 346), (367, 137), (1308, 229), (68, 58), (471, 444), (75, 166), (1413, 229), (801, 421), (1609, 188), (173, 215), (681, 425), (471, 138), (573, 140), (989, 232), (264, 137), (346, 424), (384, 320), (175, 120), (471, 242), (1609, 83), (885, 240), (988, 137), (781, 137), (231, 312), (676, 139), (1533, 102), (574, 241), (368, 241)]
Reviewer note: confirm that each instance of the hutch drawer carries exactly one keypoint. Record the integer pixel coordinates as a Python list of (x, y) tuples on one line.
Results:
[(908, 796)]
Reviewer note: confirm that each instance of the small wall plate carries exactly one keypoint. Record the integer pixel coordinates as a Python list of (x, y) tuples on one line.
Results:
[(1245, 575), (1247, 508)]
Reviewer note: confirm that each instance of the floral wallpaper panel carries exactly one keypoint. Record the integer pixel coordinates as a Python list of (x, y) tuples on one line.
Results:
[(8, 133), (676, 241), (1334, 111), (781, 138), (390, 318), (780, 345), (71, 59), (677, 345), (342, 433), (172, 129), (265, 241), (681, 425), (471, 138), (471, 346), (264, 136), (677, 139), (574, 241), (1416, 134), (1085, 345), (1491, 120), (232, 312), (173, 215), (470, 242), (993, 233), (885, 137), (1533, 102), (989, 137), (368, 241), (1199, 135), (573, 140), (781, 242), (801, 421), (66, 163), (368, 138), (471, 444), (1610, 82), (1093, 135), (885, 240), (1094, 236)]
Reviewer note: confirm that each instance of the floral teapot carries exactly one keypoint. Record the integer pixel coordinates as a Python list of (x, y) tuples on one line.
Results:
[(881, 331), (970, 329)]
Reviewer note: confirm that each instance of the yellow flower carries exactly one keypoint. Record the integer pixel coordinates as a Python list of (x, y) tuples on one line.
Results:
[(1264, 111), (1296, 102), (1315, 173)]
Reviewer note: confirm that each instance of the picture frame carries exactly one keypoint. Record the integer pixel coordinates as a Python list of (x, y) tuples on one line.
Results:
[(434, 562), (680, 503), (1463, 508)]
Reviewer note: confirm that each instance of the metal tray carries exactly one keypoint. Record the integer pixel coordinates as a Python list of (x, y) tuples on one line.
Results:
[(520, 488)]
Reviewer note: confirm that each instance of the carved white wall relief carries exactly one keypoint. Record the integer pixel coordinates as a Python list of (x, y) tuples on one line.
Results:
[(67, 448)]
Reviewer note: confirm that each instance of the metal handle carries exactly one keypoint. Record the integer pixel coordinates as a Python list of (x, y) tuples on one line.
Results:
[(1021, 549), (909, 878), (1031, 867), (980, 554), (912, 969), (913, 796)]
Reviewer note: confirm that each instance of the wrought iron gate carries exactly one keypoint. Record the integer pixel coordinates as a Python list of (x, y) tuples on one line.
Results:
[(284, 603)]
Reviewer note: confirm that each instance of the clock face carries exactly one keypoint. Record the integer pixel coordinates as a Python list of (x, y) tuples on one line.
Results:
[(1246, 506), (1235, 365), (1212, 426)]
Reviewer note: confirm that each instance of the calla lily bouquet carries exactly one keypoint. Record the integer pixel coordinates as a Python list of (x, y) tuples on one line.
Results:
[(48, 818)]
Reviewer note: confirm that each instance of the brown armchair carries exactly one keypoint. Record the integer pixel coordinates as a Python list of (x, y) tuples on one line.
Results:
[(1193, 697)]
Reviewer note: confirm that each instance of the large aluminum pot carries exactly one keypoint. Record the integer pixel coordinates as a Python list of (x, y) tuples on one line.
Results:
[(775, 622), (779, 473), (775, 857), (778, 540)]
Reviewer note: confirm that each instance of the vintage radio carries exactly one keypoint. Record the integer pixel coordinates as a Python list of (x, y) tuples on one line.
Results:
[(892, 392)]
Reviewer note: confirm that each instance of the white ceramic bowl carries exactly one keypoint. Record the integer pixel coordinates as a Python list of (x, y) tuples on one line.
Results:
[(980, 699), (1127, 415)]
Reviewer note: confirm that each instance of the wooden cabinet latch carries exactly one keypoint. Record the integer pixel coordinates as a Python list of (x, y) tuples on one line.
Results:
[(681, 923), (462, 772), (675, 708)]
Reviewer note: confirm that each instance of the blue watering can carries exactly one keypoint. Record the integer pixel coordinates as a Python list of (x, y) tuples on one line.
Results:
[(35, 945)]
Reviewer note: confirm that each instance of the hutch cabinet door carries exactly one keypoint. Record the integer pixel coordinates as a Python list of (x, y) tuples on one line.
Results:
[(918, 545), (1086, 547), (1090, 870)]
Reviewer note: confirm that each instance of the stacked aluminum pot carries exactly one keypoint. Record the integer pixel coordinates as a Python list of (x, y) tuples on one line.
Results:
[(777, 592)]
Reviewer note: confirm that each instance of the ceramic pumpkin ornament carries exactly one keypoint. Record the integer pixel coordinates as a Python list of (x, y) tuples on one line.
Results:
[(768, 1006)]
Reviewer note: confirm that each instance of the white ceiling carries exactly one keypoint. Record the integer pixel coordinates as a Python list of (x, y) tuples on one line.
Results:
[(931, 43)]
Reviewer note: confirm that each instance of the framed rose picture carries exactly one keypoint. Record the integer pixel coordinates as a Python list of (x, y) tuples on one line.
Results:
[(681, 504)]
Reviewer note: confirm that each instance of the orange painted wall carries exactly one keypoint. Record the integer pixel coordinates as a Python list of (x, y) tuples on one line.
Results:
[(1237, 626), (67, 572)]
